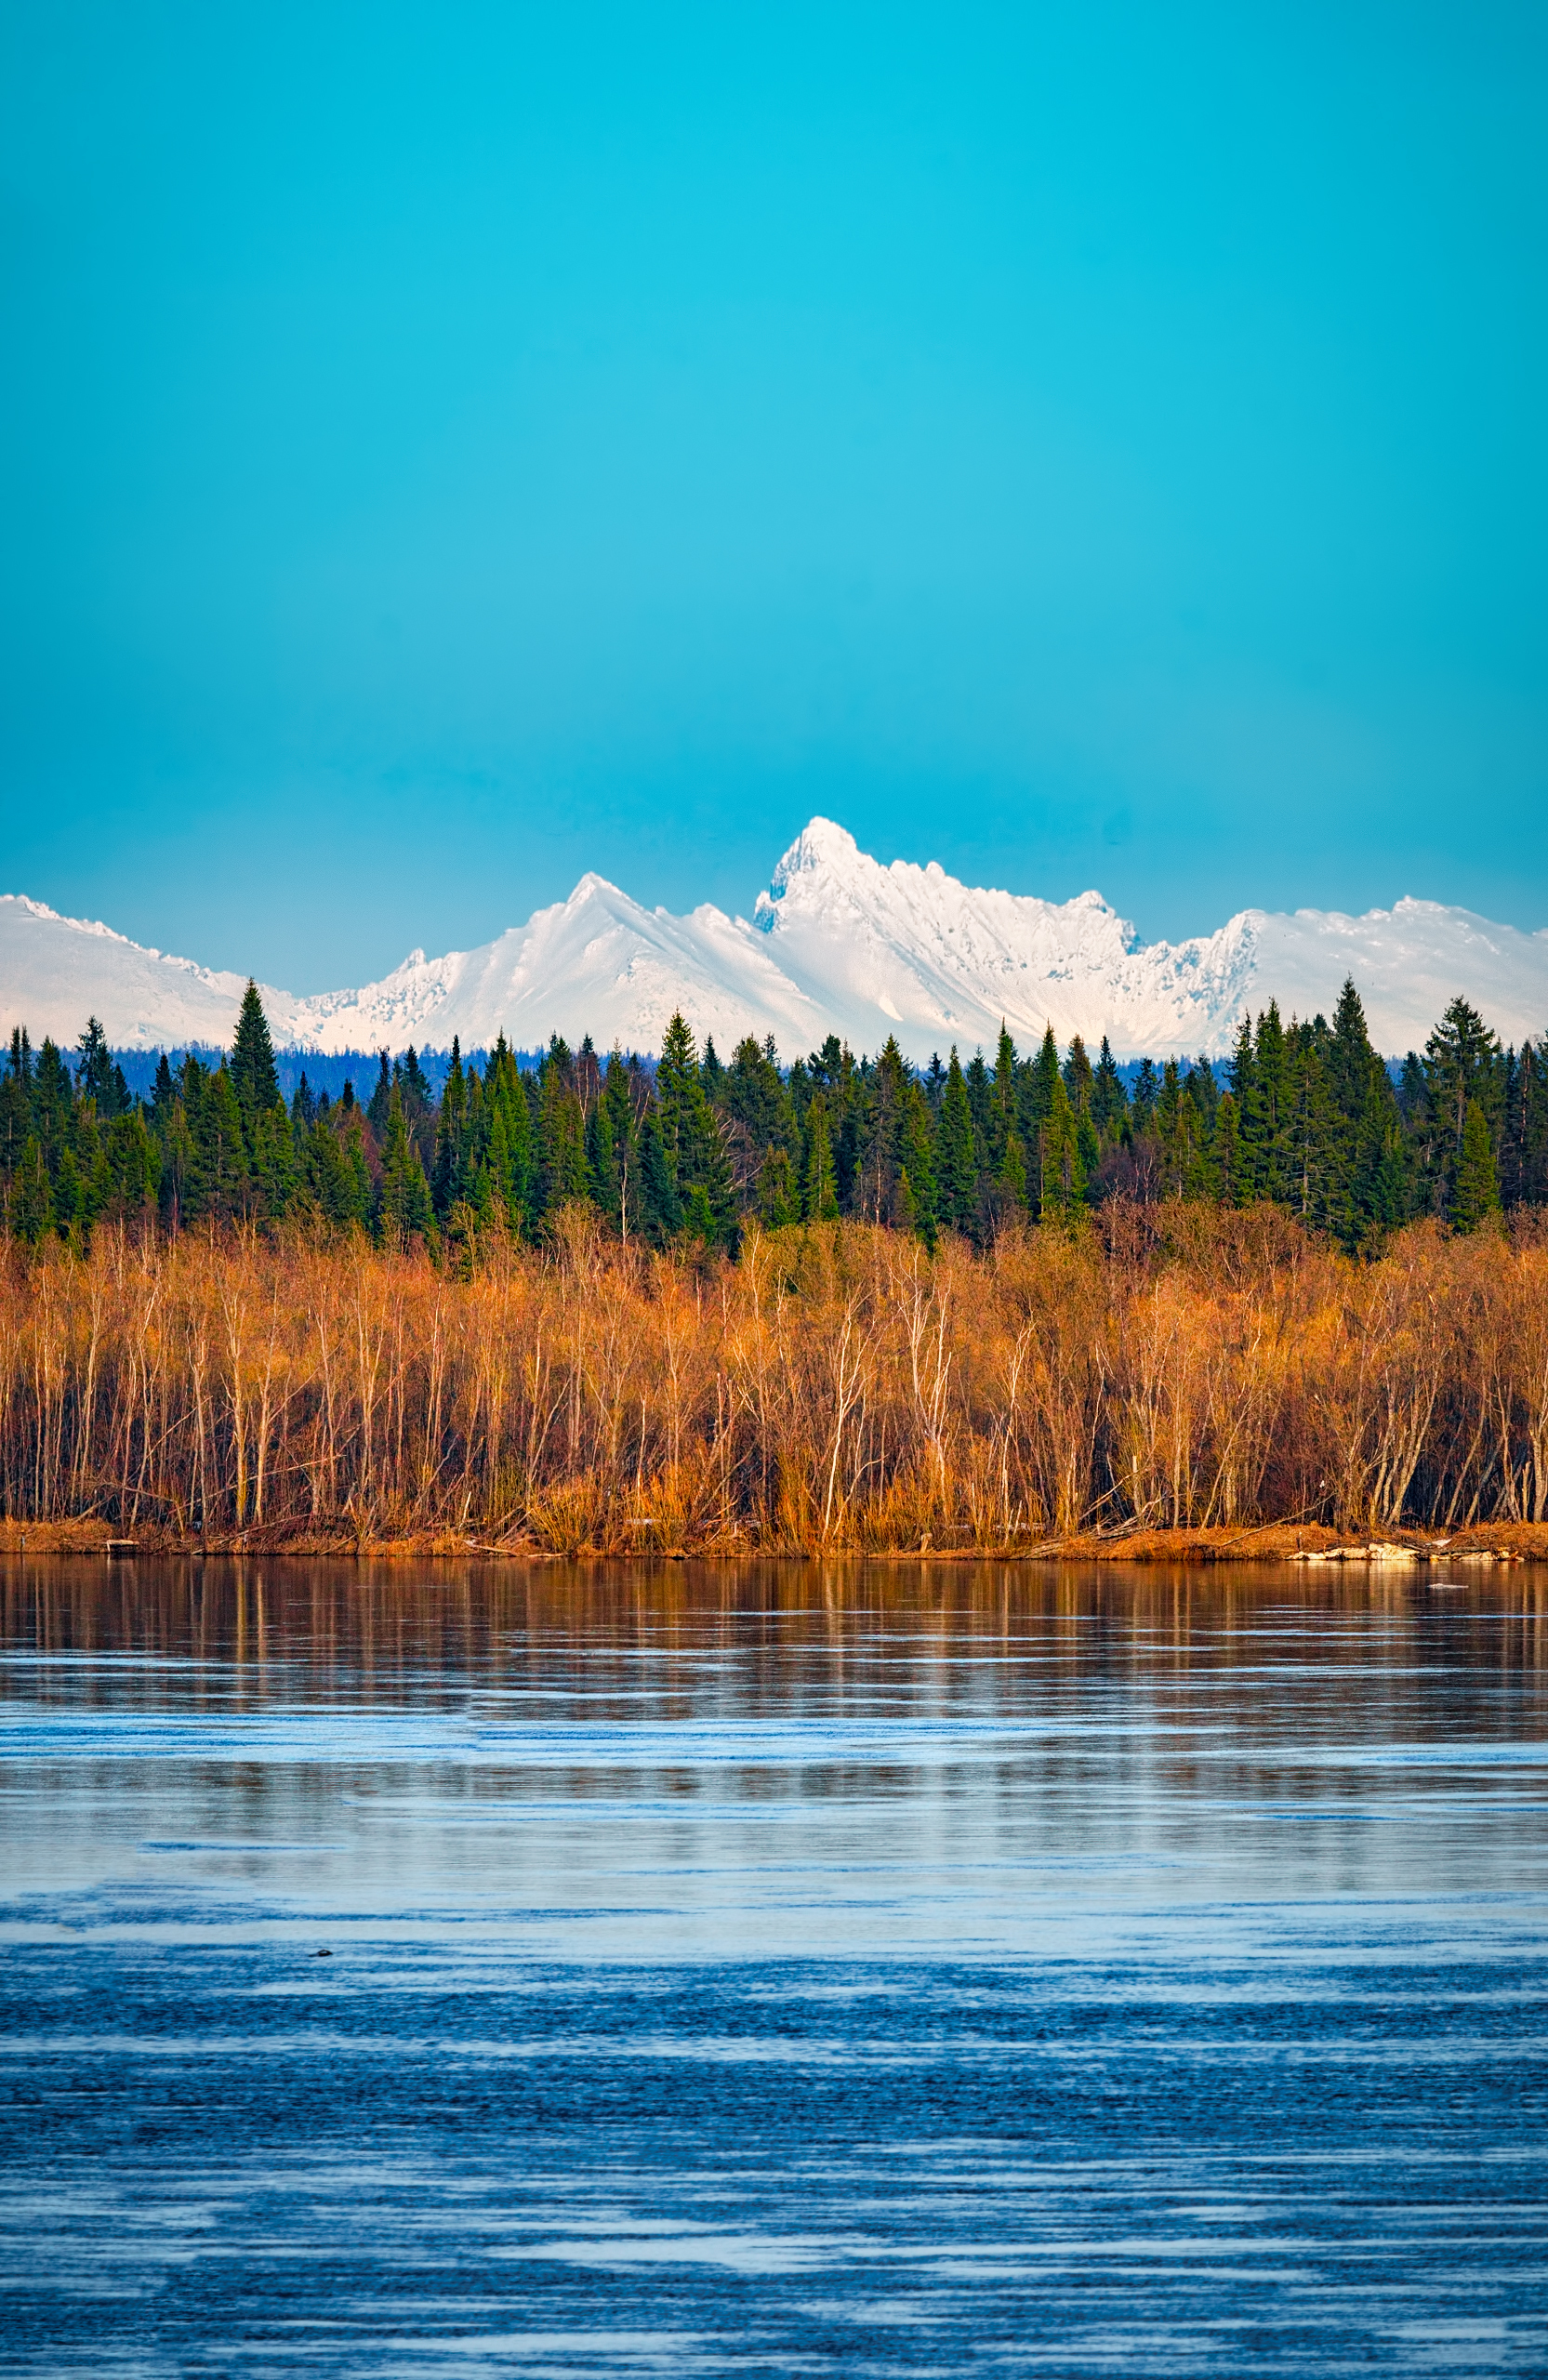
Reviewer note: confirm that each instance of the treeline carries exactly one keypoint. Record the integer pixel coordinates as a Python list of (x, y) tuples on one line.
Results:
[(1169, 1365), (1310, 1119)]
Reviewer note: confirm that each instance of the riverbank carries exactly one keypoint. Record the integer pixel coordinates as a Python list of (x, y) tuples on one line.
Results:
[(1494, 1541)]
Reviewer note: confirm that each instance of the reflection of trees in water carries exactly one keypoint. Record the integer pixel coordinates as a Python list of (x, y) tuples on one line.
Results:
[(309, 1627)]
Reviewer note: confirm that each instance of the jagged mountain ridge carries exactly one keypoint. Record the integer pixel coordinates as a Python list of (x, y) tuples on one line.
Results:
[(838, 943)]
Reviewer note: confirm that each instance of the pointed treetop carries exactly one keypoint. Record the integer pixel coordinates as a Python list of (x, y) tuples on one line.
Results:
[(253, 1075)]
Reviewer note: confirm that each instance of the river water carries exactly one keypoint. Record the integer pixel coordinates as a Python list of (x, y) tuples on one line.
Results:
[(771, 1969)]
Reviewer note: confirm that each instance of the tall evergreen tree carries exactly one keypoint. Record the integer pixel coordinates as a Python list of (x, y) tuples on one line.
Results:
[(254, 1075), (405, 1210), (916, 1200), (449, 1172), (660, 1208), (1476, 1190), (1110, 1100), (1045, 1076), (778, 1199), (819, 1190), (1062, 1187), (956, 1162), (97, 1076)]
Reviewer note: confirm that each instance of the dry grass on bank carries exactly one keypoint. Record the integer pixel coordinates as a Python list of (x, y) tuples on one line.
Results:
[(1182, 1370)]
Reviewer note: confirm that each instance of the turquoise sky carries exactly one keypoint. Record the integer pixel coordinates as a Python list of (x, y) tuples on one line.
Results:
[(449, 447)]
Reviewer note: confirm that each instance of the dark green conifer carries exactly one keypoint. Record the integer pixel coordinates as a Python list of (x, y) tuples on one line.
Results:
[(916, 1150), (406, 1213), (1045, 1075), (1142, 1103), (819, 1195), (97, 1078), (1002, 1102), (380, 1101), (219, 1183), (134, 1162), (1079, 1075), (30, 1205), (660, 1208), (1062, 1187), (449, 1171), (1110, 1100), (1475, 1189), (1012, 1173), (778, 1197), (956, 1162), (254, 1075)]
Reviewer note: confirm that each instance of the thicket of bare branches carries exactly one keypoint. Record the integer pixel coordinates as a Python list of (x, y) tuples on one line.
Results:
[(836, 1387)]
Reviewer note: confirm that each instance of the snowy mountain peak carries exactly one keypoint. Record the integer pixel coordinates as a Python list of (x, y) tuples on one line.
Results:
[(839, 943)]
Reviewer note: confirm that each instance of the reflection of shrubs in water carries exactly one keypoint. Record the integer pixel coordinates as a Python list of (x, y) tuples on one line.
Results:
[(837, 1386)]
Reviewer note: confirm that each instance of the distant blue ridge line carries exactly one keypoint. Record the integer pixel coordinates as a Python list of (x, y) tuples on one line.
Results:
[(328, 1070)]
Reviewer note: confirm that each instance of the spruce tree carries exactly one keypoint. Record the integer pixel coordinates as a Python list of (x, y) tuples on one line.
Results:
[(1476, 1190), (884, 1090), (819, 1198), (1142, 1102), (1079, 1074), (325, 1174), (134, 1163), (16, 1102), (1013, 1173), (255, 1078), (678, 1092), (617, 1103), (956, 1161), (1461, 1063), (449, 1171), (1350, 1058), (30, 1206), (53, 1098), (778, 1198), (405, 1210), (507, 1146), (1002, 1104), (1313, 1179), (601, 1164), (380, 1101), (222, 1183), (975, 1077), (660, 1208), (694, 1142), (1045, 1076), (1110, 1100), (754, 1097), (562, 1174), (1062, 1187), (97, 1078), (916, 1149), (1263, 1107)]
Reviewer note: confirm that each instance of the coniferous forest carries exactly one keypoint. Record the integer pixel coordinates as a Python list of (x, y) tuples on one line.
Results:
[(1309, 1119), (613, 1305)]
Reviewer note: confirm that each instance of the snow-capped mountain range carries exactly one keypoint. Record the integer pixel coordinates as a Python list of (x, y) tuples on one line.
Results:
[(838, 944)]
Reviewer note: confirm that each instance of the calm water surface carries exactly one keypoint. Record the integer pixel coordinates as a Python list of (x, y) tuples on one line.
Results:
[(771, 1970)]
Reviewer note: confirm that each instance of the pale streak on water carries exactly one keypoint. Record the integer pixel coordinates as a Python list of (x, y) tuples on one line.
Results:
[(903, 1969)]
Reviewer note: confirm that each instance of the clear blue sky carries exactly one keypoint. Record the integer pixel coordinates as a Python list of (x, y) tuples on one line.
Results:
[(448, 447)]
